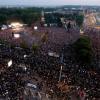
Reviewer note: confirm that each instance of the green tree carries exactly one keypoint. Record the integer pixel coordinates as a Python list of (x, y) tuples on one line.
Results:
[(83, 50), (27, 15), (79, 20), (69, 26), (59, 22), (35, 47), (3, 19)]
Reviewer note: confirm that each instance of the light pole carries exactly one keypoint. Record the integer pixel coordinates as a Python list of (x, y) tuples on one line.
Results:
[(61, 60), (60, 73)]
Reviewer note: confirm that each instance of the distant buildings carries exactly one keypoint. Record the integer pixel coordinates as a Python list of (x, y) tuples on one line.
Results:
[(66, 21)]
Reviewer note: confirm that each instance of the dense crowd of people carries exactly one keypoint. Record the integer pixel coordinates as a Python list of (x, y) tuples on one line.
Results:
[(84, 79), (94, 34), (81, 77)]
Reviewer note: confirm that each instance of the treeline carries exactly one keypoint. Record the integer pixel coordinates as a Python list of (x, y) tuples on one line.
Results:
[(26, 15), (55, 18), (31, 15)]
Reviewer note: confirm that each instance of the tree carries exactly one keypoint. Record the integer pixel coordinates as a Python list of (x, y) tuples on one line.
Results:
[(24, 45), (35, 47), (3, 19), (44, 38), (68, 26), (59, 22), (83, 50), (27, 15), (79, 20)]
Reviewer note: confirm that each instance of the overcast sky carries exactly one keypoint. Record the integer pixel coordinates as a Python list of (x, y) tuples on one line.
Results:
[(49, 2)]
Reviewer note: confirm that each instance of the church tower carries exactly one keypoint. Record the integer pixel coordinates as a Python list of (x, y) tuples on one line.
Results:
[(42, 16)]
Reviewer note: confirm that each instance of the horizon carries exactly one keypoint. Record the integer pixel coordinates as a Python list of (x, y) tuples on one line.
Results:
[(46, 6), (44, 3)]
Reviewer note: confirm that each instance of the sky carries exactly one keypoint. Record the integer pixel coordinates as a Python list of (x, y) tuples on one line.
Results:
[(49, 2)]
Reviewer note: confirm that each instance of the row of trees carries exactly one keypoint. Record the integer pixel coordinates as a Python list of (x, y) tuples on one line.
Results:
[(27, 15), (30, 15), (55, 18)]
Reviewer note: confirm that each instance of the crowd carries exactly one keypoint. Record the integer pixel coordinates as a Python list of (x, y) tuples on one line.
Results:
[(84, 79), (94, 34), (81, 77)]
